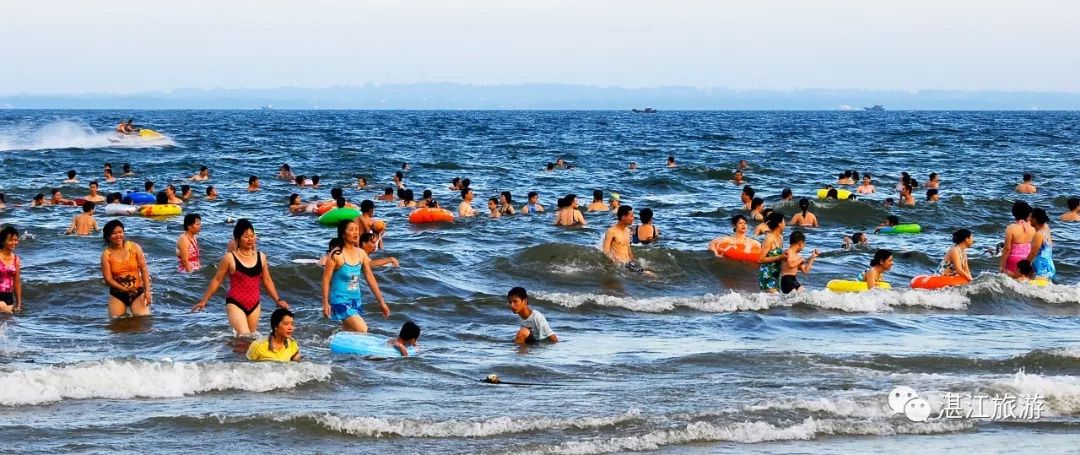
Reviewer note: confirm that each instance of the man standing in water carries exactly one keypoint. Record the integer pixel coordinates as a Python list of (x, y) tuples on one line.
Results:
[(617, 242), (465, 208)]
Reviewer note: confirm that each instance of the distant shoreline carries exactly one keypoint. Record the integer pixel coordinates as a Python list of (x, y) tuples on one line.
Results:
[(562, 97)]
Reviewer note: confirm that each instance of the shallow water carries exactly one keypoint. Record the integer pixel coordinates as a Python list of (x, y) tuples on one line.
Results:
[(694, 361)]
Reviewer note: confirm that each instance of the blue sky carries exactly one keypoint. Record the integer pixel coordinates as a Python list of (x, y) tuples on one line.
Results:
[(69, 46)]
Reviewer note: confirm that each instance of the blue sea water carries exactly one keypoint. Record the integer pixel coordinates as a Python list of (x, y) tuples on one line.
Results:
[(695, 360)]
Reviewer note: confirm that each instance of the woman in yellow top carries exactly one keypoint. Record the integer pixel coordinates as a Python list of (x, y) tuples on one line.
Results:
[(123, 266), (279, 346)]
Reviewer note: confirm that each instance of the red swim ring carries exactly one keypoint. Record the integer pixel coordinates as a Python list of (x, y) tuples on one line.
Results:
[(937, 281), (431, 215)]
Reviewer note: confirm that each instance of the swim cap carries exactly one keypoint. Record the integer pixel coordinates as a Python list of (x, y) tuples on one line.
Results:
[(615, 196)]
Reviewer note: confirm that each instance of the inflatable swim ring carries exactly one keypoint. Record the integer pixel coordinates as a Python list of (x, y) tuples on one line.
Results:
[(364, 344), (853, 286), (330, 205), (333, 217), (906, 228), (739, 253), (1039, 282), (138, 198), (121, 209), (937, 281), (160, 210), (431, 215), (841, 194)]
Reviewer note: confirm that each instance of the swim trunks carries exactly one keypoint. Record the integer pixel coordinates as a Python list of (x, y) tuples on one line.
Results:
[(789, 283)]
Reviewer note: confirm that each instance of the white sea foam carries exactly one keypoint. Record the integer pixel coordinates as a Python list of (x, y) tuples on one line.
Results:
[(68, 134), (1058, 294), (380, 427), (869, 302), (840, 407), (755, 432), (126, 379), (1062, 393)]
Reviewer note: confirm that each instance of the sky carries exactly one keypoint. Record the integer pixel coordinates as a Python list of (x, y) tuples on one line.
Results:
[(126, 46)]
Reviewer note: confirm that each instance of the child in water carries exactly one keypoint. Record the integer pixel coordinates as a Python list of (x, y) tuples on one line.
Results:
[(891, 220), (795, 263), (534, 326), (407, 337), (856, 240), (1025, 272)]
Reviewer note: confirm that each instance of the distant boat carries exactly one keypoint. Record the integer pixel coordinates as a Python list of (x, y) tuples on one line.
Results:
[(268, 108), (877, 107), (647, 110)]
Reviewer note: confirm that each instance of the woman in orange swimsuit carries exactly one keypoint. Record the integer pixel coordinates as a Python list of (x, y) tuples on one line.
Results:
[(123, 266), (247, 269)]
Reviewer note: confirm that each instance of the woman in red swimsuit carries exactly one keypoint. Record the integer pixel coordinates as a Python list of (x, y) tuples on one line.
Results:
[(246, 268)]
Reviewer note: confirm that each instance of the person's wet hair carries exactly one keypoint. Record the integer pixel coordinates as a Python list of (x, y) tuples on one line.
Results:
[(409, 331), (340, 202), (880, 256), (148, 186), (892, 220), (735, 220), (427, 194), (786, 193), (366, 206), (930, 193), (857, 237), (748, 191), (87, 207), (162, 197), (623, 211), (518, 292), (775, 220), (209, 190), (277, 316), (465, 183), (756, 202), (597, 195), (314, 180), (242, 225), (507, 195), (960, 235), (252, 179), (294, 199), (465, 192), (1028, 177), (184, 189), (646, 215), (7, 232), (388, 191), (299, 180), (1039, 217), (804, 205), (796, 237), (190, 219), (1021, 210), (1073, 203), (832, 194), (336, 193), (111, 226), (71, 174), (1025, 268)]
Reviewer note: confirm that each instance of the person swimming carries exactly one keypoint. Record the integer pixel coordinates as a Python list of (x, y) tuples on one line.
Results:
[(804, 218), (856, 240), (881, 263), (567, 214), (867, 186), (955, 262), (645, 233)]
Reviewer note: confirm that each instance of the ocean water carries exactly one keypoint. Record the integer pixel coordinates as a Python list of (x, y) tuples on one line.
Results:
[(695, 360)]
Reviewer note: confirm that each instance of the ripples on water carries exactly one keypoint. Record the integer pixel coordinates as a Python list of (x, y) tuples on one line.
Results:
[(695, 360)]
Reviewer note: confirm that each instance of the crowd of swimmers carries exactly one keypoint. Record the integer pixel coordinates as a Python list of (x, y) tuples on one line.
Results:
[(1026, 251)]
